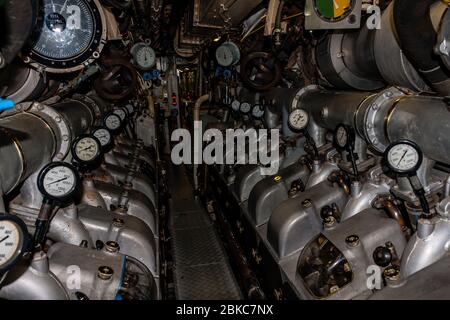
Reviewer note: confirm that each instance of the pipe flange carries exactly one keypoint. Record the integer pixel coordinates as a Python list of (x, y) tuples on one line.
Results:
[(375, 115), (300, 93), (93, 106), (58, 125)]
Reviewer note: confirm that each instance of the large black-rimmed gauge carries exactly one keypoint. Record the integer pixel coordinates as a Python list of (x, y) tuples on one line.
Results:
[(298, 119), (69, 34), (112, 122), (121, 112), (258, 111), (104, 137), (228, 54), (144, 56), (344, 137), (403, 157), (86, 149), (58, 181), (235, 105), (245, 107), (13, 241)]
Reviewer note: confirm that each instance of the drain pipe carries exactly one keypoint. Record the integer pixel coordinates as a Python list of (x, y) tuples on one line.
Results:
[(418, 38), (197, 107)]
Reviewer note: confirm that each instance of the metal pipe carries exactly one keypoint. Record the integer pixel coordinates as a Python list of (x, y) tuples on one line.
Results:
[(197, 107)]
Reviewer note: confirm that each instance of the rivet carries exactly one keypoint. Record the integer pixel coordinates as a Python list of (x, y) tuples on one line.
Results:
[(105, 272), (352, 240)]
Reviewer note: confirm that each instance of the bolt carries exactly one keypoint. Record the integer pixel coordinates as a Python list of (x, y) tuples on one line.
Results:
[(352, 240), (391, 274), (105, 272), (40, 107), (329, 222), (58, 119), (118, 222), (306, 203), (112, 246), (65, 137)]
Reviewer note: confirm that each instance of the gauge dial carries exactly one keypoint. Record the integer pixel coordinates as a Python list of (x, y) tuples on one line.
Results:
[(144, 57), (130, 108), (86, 149), (112, 122), (334, 10), (68, 33), (245, 107), (13, 241), (341, 136), (298, 119), (228, 54), (235, 105), (258, 111), (58, 181), (121, 113), (403, 157), (103, 135)]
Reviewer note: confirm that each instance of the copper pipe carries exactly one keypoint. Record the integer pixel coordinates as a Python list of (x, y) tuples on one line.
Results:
[(393, 211)]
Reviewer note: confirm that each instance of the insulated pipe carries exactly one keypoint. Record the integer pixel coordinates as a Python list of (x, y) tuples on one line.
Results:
[(78, 114), (417, 38), (197, 107)]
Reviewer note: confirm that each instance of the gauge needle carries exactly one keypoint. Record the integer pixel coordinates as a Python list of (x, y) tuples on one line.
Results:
[(85, 148), (4, 239), (335, 4), (402, 157), (57, 181)]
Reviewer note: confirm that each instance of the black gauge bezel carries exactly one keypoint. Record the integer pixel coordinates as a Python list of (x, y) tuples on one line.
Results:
[(72, 62), (294, 128), (409, 172), (111, 141), (24, 241), (46, 169), (351, 136), (113, 131), (260, 106), (124, 110), (74, 151)]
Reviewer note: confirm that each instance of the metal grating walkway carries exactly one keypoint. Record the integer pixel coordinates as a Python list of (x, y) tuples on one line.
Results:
[(201, 268)]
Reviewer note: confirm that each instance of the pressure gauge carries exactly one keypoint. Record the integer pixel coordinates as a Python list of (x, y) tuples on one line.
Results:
[(69, 34), (112, 122), (258, 111), (58, 181), (245, 107), (121, 113), (130, 108), (403, 157), (298, 119), (334, 10), (13, 241), (235, 105), (344, 137), (86, 149), (144, 56), (228, 54), (103, 136)]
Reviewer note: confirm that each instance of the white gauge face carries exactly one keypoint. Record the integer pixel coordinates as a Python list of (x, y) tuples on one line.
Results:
[(235, 105), (59, 181), (121, 113), (341, 137), (298, 119), (403, 157), (10, 241), (87, 149), (130, 108), (224, 56), (103, 136), (258, 111), (245, 107), (112, 122), (145, 57)]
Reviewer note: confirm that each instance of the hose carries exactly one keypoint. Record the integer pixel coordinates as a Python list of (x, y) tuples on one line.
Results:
[(417, 38)]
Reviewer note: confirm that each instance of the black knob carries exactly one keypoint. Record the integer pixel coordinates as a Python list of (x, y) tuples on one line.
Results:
[(99, 245), (382, 256), (326, 212)]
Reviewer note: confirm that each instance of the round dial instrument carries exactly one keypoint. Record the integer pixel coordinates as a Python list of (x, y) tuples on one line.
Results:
[(334, 10), (121, 113), (245, 107), (13, 241), (68, 34), (103, 135), (341, 136), (258, 111), (403, 157), (298, 119), (112, 122), (228, 54), (86, 149), (144, 57), (58, 181), (235, 105), (130, 108)]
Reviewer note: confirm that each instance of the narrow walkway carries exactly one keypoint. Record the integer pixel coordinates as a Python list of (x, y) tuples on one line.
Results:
[(201, 268)]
